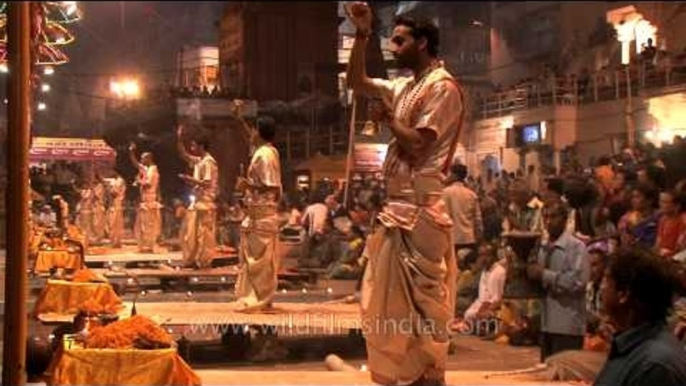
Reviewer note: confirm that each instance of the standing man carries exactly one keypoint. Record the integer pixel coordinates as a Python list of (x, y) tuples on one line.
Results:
[(411, 274), (464, 209), (148, 220), (84, 212), (563, 269), (115, 213), (199, 237), (257, 280), (99, 211)]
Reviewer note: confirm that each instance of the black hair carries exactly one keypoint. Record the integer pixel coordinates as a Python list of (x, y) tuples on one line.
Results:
[(468, 260), (678, 198), (203, 141), (558, 209), (266, 126), (656, 175), (459, 171), (580, 193), (421, 28), (649, 193), (556, 185), (647, 279), (604, 160)]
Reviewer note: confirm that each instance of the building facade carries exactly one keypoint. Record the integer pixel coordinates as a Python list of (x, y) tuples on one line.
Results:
[(279, 51), (567, 86)]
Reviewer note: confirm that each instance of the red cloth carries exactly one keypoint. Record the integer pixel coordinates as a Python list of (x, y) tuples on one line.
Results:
[(670, 233)]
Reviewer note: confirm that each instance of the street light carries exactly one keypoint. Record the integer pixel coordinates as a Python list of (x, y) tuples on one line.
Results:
[(125, 88)]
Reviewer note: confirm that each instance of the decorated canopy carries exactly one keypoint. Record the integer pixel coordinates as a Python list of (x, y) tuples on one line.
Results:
[(71, 149)]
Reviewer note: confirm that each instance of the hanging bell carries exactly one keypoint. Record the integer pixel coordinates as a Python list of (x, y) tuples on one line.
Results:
[(370, 129)]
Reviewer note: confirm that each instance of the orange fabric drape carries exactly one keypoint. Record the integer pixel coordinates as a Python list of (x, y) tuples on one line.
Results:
[(121, 367), (64, 297)]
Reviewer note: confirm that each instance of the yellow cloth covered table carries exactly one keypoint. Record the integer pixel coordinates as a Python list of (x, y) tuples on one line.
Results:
[(120, 367), (65, 297), (47, 260)]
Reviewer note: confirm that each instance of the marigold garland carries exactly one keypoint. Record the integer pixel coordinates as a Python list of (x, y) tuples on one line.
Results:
[(135, 332)]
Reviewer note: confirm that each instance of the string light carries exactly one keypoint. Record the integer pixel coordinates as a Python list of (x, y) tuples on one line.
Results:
[(3, 68), (70, 7), (42, 106), (45, 87), (48, 70)]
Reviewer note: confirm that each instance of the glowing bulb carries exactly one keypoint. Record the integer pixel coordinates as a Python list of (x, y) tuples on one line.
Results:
[(4, 69), (115, 88), (131, 88), (665, 135), (70, 7), (42, 106), (48, 70), (45, 87)]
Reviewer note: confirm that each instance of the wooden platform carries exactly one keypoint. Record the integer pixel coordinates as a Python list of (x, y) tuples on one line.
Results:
[(129, 254), (285, 377), (168, 273), (175, 279), (128, 257), (312, 318)]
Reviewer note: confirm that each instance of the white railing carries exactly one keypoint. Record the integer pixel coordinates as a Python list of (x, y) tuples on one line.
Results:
[(600, 86)]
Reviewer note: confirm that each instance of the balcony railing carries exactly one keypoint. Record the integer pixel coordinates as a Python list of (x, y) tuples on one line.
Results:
[(300, 143), (600, 86)]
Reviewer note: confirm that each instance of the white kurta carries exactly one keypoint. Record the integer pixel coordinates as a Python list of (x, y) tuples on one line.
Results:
[(408, 289), (199, 235), (257, 280), (149, 219)]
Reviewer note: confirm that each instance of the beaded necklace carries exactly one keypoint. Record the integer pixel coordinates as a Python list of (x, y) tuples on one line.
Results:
[(410, 97)]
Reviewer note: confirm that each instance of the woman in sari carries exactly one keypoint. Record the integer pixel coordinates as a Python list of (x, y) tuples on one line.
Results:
[(638, 227)]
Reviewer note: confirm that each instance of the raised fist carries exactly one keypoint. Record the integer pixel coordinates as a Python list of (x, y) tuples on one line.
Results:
[(360, 15), (238, 106)]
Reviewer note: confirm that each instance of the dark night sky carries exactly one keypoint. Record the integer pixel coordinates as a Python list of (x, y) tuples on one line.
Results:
[(138, 38)]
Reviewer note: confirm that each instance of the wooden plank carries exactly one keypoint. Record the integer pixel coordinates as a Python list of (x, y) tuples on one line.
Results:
[(305, 317), (228, 272)]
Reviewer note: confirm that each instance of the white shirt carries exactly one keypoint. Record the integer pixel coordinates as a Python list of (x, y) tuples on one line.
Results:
[(149, 180), (432, 102), (463, 206), (315, 216), (205, 169), (491, 288)]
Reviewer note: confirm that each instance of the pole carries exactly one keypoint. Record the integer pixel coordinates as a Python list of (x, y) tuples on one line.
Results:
[(19, 59), (628, 110), (351, 149)]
